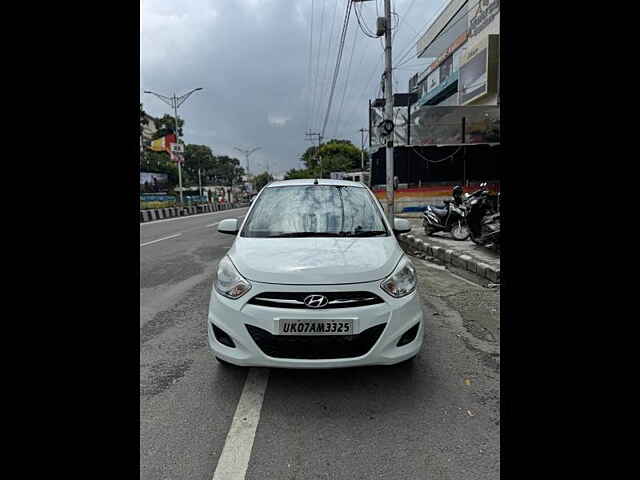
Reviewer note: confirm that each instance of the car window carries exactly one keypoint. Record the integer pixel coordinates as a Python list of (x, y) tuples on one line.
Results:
[(314, 211)]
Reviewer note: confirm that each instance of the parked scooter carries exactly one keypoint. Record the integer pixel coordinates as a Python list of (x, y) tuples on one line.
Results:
[(451, 217), (483, 218)]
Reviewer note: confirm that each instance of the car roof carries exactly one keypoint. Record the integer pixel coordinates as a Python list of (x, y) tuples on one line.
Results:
[(311, 181)]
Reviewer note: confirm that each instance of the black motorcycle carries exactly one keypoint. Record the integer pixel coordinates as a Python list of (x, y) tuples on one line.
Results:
[(449, 218), (483, 218)]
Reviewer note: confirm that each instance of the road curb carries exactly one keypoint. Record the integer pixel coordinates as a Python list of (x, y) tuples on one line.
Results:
[(162, 213), (451, 257)]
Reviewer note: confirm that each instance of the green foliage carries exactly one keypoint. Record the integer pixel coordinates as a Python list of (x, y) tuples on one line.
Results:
[(166, 126), (334, 155), (152, 205), (259, 181), (301, 173)]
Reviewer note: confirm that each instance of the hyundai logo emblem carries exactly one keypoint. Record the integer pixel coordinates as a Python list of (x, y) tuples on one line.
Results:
[(316, 301)]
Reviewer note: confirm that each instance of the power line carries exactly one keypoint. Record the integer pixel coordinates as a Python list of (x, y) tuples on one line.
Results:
[(309, 75), (315, 88), (346, 83), (336, 71), (363, 25), (324, 78)]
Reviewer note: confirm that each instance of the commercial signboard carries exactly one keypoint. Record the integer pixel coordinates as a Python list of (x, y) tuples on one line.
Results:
[(486, 13), (479, 70), (449, 51), (153, 182)]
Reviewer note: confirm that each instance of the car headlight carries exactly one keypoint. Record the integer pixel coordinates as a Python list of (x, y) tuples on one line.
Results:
[(229, 282), (402, 281)]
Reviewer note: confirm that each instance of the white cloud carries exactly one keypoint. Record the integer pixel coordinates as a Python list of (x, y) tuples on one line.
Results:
[(278, 120)]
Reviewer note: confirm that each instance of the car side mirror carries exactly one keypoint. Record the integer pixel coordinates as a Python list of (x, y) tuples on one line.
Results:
[(229, 225), (401, 225)]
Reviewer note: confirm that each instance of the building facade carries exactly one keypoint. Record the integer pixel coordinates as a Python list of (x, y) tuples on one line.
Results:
[(463, 44)]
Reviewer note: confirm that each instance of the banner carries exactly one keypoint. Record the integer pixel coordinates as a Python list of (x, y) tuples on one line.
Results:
[(153, 182), (163, 144)]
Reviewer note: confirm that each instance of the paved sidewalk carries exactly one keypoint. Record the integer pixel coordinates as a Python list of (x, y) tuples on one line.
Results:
[(462, 254)]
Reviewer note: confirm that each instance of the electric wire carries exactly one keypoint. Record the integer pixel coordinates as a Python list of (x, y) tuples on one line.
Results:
[(336, 71)]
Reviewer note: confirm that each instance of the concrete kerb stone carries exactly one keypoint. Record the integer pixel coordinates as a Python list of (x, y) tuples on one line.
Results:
[(493, 274), (469, 263), (455, 258)]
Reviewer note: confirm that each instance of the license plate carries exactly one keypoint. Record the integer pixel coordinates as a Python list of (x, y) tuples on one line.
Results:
[(315, 327)]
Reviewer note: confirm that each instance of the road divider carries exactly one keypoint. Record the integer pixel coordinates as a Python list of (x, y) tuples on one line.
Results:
[(171, 212)]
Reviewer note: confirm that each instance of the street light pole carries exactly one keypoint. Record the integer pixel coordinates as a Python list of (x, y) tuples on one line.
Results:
[(247, 152), (174, 102)]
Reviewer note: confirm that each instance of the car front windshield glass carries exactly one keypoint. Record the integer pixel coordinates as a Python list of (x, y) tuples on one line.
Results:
[(314, 211)]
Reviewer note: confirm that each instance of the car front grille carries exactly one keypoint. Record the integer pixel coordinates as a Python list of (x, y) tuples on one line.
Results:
[(296, 299), (315, 347)]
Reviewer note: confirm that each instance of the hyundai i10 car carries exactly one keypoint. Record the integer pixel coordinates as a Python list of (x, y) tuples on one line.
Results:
[(315, 279)]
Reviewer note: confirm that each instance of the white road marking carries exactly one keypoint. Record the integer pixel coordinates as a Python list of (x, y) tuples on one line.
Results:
[(160, 239), (190, 216), (213, 224), (234, 460)]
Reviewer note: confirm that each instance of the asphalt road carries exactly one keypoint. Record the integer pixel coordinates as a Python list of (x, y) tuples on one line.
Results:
[(435, 419)]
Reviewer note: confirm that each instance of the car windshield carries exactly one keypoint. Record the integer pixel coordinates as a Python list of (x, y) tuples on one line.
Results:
[(315, 211)]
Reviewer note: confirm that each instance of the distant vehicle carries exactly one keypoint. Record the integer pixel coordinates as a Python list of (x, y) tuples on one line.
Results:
[(315, 279)]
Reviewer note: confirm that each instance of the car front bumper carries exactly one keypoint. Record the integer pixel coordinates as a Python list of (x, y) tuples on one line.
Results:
[(232, 316)]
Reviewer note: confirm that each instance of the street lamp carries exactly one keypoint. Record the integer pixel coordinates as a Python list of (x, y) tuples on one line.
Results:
[(174, 102)]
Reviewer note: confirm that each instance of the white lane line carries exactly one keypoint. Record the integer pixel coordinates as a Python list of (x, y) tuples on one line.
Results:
[(160, 239), (213, 224), (190, 216), (234, 460)]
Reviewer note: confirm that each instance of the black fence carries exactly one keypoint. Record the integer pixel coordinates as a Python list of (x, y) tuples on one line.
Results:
[(431, 165)]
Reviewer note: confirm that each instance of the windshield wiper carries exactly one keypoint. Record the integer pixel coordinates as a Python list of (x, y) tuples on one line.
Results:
[(365, 233), (306, 234)]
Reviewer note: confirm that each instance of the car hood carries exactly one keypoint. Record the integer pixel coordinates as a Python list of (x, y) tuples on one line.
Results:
[(315, 261)]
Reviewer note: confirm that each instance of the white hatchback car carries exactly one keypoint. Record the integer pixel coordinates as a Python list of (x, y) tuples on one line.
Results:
[(315, 279)]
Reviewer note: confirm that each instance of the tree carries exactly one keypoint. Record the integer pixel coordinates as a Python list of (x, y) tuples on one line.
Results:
[(301, 173), (198, 157), (166, 125), (335, 155), (259, 181), (143, 118)]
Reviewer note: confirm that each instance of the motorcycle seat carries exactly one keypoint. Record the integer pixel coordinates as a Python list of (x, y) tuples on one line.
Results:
[(440, 211)]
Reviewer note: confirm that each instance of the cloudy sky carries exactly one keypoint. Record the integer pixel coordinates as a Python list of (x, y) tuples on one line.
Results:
[(252, 58)]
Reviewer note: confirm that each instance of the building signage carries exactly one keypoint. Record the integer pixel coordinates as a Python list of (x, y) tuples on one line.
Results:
[(478, 72), (452, 48), (482, 16)]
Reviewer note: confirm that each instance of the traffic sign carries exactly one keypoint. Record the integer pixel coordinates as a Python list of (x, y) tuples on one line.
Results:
[(177, 148)]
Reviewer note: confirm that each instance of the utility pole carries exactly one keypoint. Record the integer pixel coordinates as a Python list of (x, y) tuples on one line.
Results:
[(247, 152), (384, 26), (174, 102), (362, 132), (388, 111), (310, 136)]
